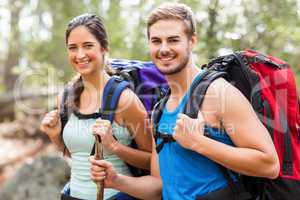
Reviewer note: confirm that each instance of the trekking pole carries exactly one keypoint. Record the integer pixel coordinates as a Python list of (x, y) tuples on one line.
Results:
[(99, 156)]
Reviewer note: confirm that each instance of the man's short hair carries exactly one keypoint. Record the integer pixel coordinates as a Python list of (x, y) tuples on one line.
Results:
[(173, 11)]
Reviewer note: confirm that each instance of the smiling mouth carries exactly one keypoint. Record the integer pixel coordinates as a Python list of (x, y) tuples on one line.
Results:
[(82, 63), (166, 58)]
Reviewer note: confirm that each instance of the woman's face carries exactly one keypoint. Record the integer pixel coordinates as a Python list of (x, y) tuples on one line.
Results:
[(84, 51)]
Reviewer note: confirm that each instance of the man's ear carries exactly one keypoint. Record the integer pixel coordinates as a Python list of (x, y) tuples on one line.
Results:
[(193, 40)]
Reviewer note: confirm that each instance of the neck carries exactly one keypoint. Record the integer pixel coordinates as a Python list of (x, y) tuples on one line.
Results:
[(95, 81), (180, 82)]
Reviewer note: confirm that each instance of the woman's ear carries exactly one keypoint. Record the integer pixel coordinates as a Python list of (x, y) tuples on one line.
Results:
[(105, 58)]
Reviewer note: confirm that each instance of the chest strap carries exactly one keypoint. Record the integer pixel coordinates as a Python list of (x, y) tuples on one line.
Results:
[(166, 138)]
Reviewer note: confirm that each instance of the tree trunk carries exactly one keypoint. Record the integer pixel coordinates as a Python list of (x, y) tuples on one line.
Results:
[(14, 51)]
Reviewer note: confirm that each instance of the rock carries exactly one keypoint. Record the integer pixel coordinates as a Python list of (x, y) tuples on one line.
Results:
[(42, 179), (27, 127)]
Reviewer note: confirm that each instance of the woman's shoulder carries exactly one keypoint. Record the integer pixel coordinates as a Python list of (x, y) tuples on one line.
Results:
[(130, 106), (128, 99)]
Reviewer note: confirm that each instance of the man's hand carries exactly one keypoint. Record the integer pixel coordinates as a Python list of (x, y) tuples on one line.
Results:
[(188, 131), (102, 170)]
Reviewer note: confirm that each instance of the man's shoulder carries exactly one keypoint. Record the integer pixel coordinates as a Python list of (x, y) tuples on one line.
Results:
[(218, 87)]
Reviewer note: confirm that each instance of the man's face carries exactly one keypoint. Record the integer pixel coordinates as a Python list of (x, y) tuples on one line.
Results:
[(170, 47)]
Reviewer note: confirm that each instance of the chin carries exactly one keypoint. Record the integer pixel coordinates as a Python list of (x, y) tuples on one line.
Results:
[(171, 69), (84, 72)]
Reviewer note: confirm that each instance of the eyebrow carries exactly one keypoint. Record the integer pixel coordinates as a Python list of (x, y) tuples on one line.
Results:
[(174, 37), (85, 43), (154, 38), (88, 43), (170, 37)]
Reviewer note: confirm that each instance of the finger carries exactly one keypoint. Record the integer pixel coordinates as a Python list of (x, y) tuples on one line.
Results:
[(45, 120), (175, 130), (200, 116), (98, 131), (98, 174), (98, 120), (53, 113), (97, 170), (179, 122), (95, 130), (100, 163), (53, 121), (182, 116), (97, 178)]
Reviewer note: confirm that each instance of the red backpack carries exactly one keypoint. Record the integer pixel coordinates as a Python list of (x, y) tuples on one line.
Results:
[(269, 84)]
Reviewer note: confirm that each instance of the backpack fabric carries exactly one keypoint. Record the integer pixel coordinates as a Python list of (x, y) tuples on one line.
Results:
[(269, 85), (144, 78)]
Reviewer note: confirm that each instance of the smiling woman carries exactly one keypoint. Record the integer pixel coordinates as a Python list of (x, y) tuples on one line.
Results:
[(87, 47)]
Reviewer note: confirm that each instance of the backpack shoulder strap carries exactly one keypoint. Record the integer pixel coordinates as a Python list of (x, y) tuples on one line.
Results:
[(110, 98), (111, 95), (64, 113), (155, 117), (198, 91), (63, 109)]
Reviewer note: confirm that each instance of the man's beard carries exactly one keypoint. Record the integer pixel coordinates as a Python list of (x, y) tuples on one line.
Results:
[(178, 68)]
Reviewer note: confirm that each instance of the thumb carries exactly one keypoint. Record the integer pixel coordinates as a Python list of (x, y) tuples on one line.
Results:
[(182, 116), (200, 116)]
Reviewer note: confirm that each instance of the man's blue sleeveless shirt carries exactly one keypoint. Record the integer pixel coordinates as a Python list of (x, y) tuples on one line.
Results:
[(186, 174)]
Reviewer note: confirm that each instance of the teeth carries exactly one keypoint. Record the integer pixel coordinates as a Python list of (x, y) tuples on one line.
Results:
[(166, 59), (82, 63)]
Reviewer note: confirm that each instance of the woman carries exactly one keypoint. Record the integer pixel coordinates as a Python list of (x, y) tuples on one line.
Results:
[(87, 46)]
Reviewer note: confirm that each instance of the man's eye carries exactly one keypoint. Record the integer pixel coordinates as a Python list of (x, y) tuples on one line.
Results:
[(173, 40), (89, 46)]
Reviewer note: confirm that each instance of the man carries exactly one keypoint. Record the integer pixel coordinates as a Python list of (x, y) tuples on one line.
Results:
[(189, 167)]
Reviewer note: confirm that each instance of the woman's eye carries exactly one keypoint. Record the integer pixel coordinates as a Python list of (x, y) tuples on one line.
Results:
[(71, 48), (155, 41)]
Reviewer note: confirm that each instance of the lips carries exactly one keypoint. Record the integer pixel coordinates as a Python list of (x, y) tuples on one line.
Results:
[(82, 64), (166, 59)]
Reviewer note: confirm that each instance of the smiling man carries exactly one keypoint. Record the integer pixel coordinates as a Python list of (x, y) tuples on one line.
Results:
[(188, 165)]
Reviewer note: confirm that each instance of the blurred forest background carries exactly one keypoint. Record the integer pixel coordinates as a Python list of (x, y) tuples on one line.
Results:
[(33, 61)]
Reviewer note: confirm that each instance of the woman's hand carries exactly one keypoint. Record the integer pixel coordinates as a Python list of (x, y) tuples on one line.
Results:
[(104, 130), (51, 124)]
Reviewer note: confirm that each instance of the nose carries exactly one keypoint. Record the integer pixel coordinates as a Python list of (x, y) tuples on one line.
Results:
[(80, 53), (164, 47)]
